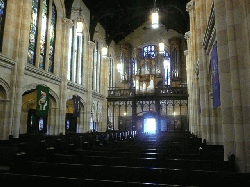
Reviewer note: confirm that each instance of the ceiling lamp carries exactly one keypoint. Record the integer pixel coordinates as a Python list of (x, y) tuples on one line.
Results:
[(104, 52), (161, 47), (155, 17)]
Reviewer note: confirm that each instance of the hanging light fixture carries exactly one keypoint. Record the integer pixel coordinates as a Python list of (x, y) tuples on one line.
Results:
[(104, 52), (161, 47), (155, 16)]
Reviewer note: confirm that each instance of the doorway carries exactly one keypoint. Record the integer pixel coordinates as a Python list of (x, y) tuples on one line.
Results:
[(70, 123), (150, 125), (36, 124)]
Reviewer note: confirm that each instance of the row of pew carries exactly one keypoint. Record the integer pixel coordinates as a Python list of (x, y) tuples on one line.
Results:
[(170, 159)]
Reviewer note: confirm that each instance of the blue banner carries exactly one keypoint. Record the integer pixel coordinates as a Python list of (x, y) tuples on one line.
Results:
[(215, 77)]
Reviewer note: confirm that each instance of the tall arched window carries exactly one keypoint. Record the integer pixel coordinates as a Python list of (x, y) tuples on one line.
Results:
[(111, 71), (3, 5), (52, 38), (76, 53), (42, 28), (96, 68)]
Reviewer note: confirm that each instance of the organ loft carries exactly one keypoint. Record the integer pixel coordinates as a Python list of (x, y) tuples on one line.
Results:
[(124, 93)]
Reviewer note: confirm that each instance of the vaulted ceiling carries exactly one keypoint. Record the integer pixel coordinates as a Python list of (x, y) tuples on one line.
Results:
[(121, 17)]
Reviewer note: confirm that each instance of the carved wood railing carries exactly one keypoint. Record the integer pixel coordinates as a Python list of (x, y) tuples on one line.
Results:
[(116, 92)]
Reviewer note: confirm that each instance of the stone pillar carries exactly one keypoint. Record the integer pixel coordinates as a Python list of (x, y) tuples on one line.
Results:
[(81, 120), (57, 113), (6, 118), (192, 60), (225, 78), (91, 46), (64, 69), (203, 74), (2, 117), (244, 70), (21, 56), (52, 120), (233, 16)]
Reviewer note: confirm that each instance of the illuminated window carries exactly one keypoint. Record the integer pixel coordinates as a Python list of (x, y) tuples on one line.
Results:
[(45, 28), (111, 72), (40, 123), (149, 51), (76, 53), (96, 74), (52, 39)]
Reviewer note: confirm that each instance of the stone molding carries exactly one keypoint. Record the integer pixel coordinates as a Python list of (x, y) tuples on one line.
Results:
[(81, 100), (98, 95), (41, 74), (6, 62), (186, 52), (91, 44), (76, 87), (68, 22), (4, 84), (190, 5), (30, 87), (4, 100)]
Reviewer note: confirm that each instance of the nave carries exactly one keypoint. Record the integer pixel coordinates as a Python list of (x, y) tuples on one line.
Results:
[(117, 159)]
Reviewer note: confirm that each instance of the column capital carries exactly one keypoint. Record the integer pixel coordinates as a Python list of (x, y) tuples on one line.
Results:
[(91, 44), (68, 22), (186, 52), (190, 5), (187, 35)]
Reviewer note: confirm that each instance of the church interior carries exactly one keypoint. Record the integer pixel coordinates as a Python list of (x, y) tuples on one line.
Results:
[(125, 93)]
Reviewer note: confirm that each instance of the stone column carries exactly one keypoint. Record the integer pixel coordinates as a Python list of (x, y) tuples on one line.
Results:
[(52, 120), (225, 78), (2, 117), (81, 119), (203, 74), (21, 56), (244, 71), (64, 69), (233, 20), (57, 113), (192, 60), (6, 118), (91, 46)]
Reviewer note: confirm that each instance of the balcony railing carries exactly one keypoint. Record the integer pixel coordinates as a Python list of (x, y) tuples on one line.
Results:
[(172, 90), (121, 93), (116, 92)]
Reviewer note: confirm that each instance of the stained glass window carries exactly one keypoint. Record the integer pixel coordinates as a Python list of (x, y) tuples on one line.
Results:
[(52, 38), (77, 56), (43, 34), (40, 123), (69, 75), (82, 60), (3, 5), (110, 72), (33, 32), (149, 51)]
